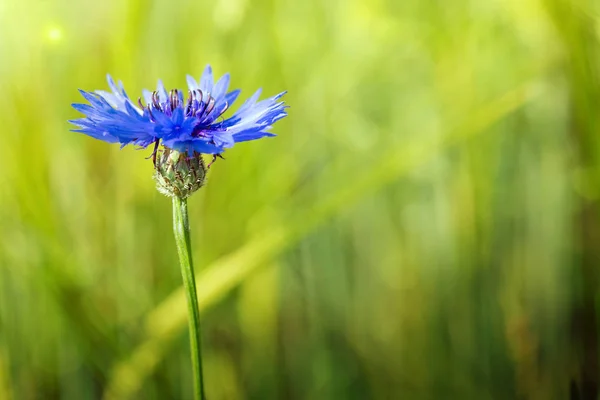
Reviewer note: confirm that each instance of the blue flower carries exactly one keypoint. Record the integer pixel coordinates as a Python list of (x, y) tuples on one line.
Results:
[(191, 124)]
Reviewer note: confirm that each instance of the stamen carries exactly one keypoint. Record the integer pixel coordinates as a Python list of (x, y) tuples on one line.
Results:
[(214, 158), (198, 103), (155, 100), (153, 155), (173, 99), (199, 113), (210, 106), (188, 107), (150, 113), (224, 108)]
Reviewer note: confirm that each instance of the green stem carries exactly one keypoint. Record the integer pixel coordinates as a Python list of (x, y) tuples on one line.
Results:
[(181, 229)]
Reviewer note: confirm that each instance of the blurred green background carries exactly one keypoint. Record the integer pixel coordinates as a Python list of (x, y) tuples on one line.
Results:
[(425, 226)]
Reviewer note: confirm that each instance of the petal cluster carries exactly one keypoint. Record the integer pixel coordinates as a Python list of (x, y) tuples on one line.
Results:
[(191, 123)]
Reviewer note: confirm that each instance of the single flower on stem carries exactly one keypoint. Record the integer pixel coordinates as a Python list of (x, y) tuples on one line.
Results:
[(180, 130)]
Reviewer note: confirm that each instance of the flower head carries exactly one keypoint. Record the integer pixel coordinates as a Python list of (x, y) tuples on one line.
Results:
[(185, 127), (192, 124)]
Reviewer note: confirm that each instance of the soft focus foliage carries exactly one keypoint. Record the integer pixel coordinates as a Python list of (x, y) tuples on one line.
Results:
[(425, 226)]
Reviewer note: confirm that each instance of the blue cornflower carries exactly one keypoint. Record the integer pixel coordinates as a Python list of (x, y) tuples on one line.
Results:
[(185, 125), (186, 128)]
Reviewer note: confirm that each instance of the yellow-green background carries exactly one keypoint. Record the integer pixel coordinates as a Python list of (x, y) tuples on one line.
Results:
[(425, 226)]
